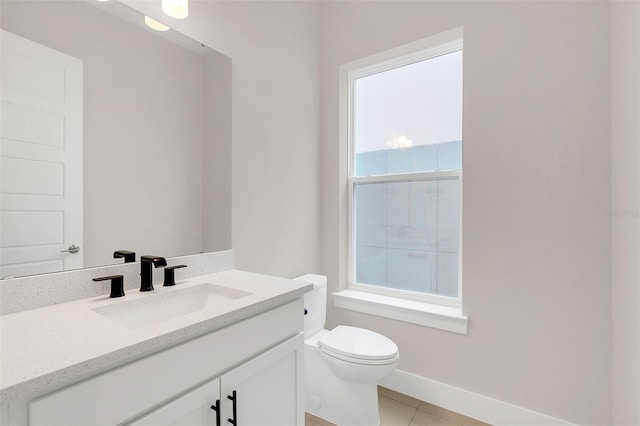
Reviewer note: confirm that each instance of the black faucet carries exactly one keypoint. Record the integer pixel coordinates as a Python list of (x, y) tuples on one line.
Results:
[(129, 256), (146, 272)]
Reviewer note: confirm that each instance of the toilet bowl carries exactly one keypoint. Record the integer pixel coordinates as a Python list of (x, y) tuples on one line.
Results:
[(358, 355), (343, 365)]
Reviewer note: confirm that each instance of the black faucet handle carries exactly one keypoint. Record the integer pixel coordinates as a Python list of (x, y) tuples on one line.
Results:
[(129, 256), (169, 275), (117, 284)]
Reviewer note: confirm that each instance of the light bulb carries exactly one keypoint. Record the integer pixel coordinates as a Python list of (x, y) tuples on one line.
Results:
[(155, 25), (178, 9)]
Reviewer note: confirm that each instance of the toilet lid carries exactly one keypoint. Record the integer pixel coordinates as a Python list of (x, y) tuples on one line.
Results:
[(358, 343)]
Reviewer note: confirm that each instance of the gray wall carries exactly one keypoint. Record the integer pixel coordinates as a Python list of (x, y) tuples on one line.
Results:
[(275, 52), (216, 155), (536, 239), (625, 210)]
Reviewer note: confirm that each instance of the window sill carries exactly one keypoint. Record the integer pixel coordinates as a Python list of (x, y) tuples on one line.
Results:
[(426, 314)]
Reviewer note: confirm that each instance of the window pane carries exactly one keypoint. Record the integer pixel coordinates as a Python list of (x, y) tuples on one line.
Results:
[(409, 119), (406, 235)]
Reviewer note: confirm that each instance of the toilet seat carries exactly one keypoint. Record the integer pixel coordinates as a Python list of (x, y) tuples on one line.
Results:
[(363, 362), (358, 345)]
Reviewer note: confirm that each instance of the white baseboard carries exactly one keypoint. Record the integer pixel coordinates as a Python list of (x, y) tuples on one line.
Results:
[(468, 403)]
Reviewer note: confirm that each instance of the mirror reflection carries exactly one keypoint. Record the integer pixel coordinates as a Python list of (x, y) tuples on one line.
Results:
[(114, 136)]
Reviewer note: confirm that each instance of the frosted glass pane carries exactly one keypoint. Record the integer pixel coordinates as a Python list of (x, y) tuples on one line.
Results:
[(448, 215), (406, 235), (409, 119)]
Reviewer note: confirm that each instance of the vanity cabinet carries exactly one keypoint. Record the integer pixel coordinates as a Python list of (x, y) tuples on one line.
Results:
[(269, 389), (263, 391), (191, 409), (260, 358)]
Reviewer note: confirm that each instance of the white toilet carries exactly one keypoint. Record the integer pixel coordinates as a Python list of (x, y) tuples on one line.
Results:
[(342, 366)]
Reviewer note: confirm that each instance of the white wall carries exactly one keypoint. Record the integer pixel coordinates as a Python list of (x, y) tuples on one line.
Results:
[(536, 237), (625, 210), (275, 52)]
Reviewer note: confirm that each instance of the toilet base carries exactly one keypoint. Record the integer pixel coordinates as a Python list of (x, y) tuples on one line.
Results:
[(335, 400)]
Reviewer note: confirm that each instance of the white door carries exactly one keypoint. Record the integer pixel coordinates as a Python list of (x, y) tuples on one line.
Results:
[(268, 389), (40, 158), (191, 409)]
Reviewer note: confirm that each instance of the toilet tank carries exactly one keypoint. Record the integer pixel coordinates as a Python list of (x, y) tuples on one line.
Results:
[(315, 303)]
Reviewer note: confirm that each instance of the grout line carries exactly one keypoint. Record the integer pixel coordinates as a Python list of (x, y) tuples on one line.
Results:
[(413, 417)]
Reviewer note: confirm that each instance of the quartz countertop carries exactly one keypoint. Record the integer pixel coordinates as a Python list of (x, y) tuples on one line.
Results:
[(56, 345)]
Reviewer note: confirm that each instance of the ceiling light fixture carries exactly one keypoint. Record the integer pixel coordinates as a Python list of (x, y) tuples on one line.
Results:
[(178, 9), (155, 25)]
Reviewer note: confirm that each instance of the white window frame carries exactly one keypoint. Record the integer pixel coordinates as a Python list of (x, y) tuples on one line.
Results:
[(422, 308)]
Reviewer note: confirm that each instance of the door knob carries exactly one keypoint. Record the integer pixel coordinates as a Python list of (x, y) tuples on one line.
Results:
[(73, 249)]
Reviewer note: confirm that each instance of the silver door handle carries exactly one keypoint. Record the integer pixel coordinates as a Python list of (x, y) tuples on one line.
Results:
[(73, 249)]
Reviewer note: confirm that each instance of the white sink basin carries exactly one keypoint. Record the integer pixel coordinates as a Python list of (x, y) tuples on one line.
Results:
[(157, 306)]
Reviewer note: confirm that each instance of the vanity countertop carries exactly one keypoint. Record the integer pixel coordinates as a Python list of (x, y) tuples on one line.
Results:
[(59, 344)]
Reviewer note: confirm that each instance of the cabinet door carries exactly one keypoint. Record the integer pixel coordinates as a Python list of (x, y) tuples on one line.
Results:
[(268, 389), (191, 409)]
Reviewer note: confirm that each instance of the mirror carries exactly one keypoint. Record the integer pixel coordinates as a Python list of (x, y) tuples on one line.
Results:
[(154, 127)]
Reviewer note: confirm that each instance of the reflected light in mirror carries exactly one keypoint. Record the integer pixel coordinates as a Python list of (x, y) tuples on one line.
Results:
[(155, 25), (178, 9), (401, 141)]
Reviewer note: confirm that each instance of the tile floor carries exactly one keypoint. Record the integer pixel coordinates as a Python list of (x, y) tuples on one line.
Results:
[(397, 409)]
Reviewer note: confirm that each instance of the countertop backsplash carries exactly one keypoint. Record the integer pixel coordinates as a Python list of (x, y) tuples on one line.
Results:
[(36, 291)]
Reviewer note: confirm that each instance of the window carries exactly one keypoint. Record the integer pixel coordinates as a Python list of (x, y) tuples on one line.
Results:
[(404, 132)]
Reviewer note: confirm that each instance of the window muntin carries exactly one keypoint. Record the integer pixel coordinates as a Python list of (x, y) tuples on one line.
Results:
[(405, 176)]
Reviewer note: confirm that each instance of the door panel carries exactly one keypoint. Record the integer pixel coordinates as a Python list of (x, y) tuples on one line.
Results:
[(40, 158), (37, 177), (36, 74), (269, 390)]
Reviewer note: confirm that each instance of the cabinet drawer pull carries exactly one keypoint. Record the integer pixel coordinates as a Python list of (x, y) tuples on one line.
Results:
[(216, 408), (234, 420)]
